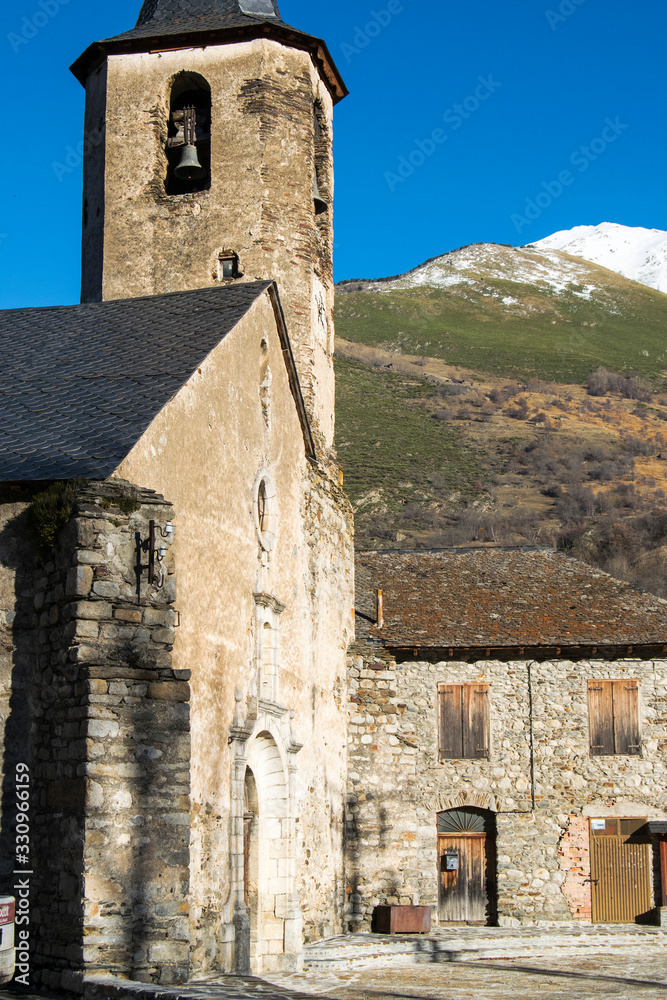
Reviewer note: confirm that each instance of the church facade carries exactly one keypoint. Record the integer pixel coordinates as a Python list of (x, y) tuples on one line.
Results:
[(176, 578)]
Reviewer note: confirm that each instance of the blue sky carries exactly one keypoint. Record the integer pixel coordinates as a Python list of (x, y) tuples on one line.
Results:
[(560, 122)]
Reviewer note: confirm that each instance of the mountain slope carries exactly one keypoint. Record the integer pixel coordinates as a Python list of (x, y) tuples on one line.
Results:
[(638, 254), (516, 312), (467, 412)]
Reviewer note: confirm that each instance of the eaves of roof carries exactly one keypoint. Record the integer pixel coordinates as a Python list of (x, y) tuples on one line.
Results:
[(96, 53)]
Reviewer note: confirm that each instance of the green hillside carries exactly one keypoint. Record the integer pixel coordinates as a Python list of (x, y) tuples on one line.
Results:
[(560, 324), (388, 442)]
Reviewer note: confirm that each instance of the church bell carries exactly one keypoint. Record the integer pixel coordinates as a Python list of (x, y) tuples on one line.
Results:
[(320, 204), (189, 169)]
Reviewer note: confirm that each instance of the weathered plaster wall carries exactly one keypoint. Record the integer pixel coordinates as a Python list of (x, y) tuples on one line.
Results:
[(259, 206), (396, 784), (206, 450)]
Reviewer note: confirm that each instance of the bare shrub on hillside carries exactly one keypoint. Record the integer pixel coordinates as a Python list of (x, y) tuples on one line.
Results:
[(646, 447), (579, 503), (506, 393), (519, 411), (453, 389), (603, 382), (443, 414), (540, 419)]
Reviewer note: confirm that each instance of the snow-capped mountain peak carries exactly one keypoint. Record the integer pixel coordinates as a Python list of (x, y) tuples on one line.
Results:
[(636, 253)]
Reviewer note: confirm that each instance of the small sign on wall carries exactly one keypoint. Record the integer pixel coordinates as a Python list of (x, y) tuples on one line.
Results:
[(598, 824)]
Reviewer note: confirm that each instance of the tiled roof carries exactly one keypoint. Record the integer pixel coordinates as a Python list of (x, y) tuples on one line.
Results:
[(495, 598), (80, 384), (168, 17)]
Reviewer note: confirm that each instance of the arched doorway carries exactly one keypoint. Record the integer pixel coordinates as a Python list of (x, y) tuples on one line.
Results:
[(267, 869), (467, 866)]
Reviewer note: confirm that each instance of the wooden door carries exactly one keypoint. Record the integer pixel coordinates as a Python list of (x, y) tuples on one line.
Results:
[(466, 859), (621, 871)]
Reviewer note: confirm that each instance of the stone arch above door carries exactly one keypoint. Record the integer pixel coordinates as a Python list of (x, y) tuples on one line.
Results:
[(440, 802)]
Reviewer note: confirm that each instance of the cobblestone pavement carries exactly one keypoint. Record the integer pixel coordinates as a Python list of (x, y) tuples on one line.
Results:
[(584, 977), (622, 976)]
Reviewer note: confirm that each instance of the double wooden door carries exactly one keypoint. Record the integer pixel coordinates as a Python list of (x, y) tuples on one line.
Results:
[(621, 871), (466, 867)]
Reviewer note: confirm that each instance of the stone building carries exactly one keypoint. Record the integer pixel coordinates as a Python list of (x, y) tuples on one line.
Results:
[(176, 568), (507, 747)]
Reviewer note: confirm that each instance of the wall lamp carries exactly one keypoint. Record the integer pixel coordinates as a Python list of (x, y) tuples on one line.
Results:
[(157, 551)]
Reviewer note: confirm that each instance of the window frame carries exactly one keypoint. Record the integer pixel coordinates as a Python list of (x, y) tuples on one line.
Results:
[(614, 717), (462, 719)]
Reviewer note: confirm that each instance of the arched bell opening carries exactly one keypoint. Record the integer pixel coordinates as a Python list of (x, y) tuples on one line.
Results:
[(467, 890), (188, 145)]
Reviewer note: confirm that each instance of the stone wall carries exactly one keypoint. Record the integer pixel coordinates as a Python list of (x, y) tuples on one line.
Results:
[(109, 746), (397, 784)]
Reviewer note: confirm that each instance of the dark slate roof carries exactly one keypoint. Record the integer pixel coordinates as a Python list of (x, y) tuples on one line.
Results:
[(496, 598), (168, 17), (181, 23), (79, 385)]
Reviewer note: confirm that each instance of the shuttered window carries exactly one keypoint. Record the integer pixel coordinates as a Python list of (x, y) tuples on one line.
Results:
[(613, 714), (464, 721)]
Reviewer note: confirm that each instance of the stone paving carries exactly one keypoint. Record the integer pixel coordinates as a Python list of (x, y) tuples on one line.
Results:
[(627, 976)]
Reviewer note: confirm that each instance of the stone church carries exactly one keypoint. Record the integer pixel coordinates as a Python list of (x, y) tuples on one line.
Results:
[(173, 667)]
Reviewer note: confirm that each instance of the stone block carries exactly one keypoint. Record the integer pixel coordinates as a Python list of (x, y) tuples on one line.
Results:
[(79, 581), (103, 588), (86, 558), (128, 615), (102, 728), (165, 635), (86, 630), (169, 691), (159, 616), (93, 610), (172, 952)]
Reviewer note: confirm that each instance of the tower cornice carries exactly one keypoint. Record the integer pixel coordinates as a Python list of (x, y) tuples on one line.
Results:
[(129, 43)]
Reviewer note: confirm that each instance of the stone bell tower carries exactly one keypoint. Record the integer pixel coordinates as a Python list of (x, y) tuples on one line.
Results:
[(208, 136)]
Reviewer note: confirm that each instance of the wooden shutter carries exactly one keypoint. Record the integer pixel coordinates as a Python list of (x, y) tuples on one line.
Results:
[(451, 721), (476, 720), (601, 718), (626, 717)]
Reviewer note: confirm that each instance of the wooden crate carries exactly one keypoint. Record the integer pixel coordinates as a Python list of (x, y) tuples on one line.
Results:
[(402, 920)]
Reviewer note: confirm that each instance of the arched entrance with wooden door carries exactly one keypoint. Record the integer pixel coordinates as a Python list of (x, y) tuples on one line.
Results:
[(467, 866)]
